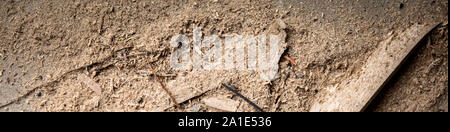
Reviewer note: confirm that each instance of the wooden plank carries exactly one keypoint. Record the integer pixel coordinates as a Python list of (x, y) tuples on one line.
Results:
[(224, 104), (355, 94)]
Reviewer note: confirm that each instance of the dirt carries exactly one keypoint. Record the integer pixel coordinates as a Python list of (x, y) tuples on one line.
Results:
[(46, 44)]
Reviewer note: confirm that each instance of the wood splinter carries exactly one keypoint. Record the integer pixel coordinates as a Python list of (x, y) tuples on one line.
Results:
[(165, 89)]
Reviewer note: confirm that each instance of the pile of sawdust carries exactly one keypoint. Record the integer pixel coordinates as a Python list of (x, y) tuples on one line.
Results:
[(46, 45)]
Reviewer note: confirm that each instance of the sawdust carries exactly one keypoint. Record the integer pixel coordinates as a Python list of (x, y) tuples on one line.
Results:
[(45, 45), (422, 84), (354, 94)]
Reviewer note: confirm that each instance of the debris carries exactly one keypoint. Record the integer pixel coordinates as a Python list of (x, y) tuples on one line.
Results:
[(148, 73), (315, 19), (290, 60), (186, 87), (357, 93), (299, 75), (195, 108), (243, 97), (38, 93), (90, 83), (165, 89), (222, 103), (281, 24), (100, 27), (1, 72)]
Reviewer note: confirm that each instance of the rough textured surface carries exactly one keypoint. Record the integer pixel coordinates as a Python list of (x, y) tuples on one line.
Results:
[(422, 83), (46, 44), (356, 93), (222, 103)]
